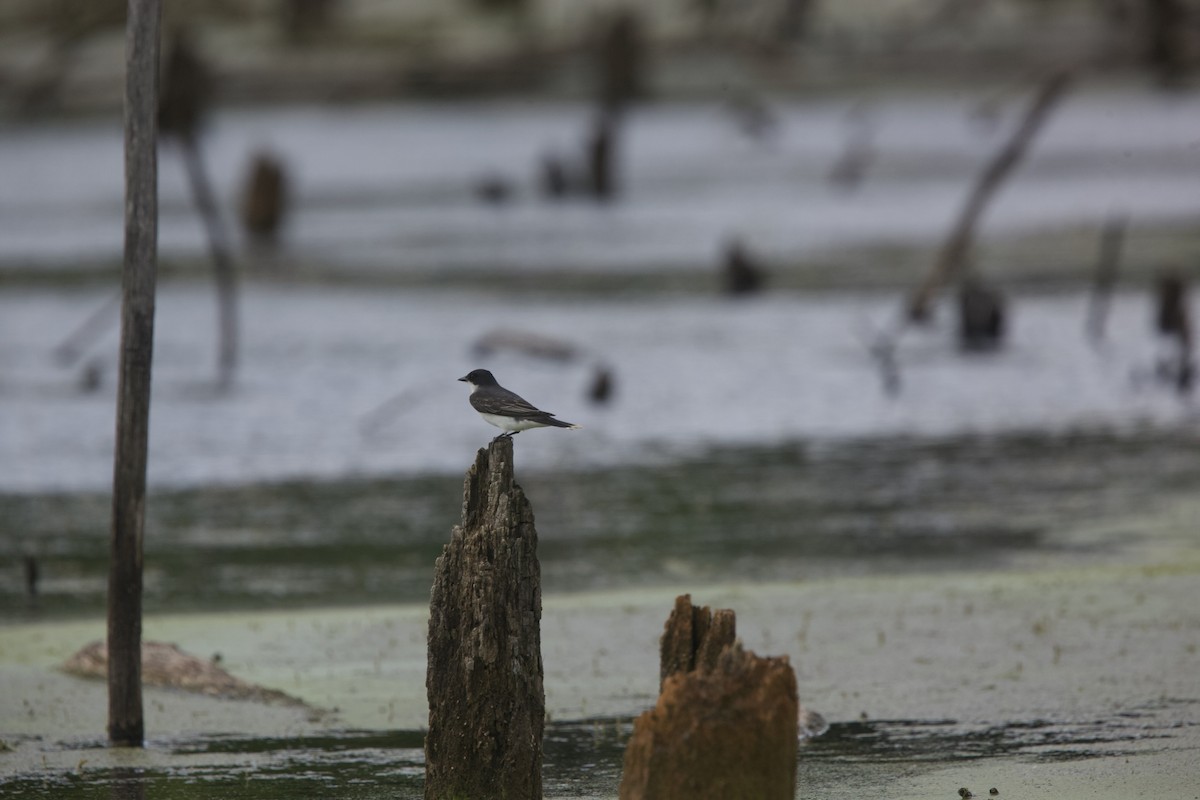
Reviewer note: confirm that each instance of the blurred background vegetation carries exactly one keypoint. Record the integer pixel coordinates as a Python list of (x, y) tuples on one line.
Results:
[(66, 55)]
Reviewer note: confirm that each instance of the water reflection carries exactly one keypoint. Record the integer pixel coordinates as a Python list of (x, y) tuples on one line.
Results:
[(127, 784)]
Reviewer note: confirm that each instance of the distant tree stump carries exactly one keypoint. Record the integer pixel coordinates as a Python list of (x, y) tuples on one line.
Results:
[(303, 21), (554, 177), (1171, 318), (1166, 24), (601, 158), (484, 678), (1174, 323), (981, 311), (264, 198), (620, 60), (603, 385), (741, 274)]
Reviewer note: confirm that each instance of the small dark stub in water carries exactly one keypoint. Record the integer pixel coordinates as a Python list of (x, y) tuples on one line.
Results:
[(981, 316)]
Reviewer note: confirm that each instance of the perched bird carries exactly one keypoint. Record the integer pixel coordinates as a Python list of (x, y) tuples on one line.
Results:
[(504, 409)]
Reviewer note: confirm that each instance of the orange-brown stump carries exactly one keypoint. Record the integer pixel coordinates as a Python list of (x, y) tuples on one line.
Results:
[(723, 728), (484, 678), (693, 638)]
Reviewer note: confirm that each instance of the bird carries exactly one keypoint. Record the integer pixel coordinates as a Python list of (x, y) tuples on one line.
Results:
[(504, 409)]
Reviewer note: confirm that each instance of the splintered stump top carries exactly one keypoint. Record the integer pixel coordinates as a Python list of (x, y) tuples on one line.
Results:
[(693, 638), (484, 677), (725, 725)]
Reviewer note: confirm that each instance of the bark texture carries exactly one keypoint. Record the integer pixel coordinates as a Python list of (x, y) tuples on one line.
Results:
[(484, 678), (726, 733)]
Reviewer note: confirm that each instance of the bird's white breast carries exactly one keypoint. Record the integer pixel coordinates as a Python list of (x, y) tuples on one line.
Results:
[(509, 424)]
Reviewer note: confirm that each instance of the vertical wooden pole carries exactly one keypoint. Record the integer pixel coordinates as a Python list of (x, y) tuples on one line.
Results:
[(125, 724)]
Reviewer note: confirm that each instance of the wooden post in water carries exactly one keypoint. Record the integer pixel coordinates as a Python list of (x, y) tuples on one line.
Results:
[(125, 724), (484, 677)]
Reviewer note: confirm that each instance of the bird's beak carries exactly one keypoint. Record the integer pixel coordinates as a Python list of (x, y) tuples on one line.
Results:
[(463, 378)]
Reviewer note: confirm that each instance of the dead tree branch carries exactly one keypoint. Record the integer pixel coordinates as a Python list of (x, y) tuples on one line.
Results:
[(957, 248)]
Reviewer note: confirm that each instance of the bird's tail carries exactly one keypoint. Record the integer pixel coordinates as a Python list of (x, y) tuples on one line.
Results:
[(558, 423)]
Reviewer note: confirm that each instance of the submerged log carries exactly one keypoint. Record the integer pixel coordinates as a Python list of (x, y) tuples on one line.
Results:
[(165, 665), (484, 678)]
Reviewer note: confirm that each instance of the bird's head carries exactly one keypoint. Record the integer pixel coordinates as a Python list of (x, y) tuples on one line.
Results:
[(479, 377)]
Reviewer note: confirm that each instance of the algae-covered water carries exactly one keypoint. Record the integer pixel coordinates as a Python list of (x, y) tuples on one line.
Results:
[(1015, 610), (796, 512), (1051, 683)]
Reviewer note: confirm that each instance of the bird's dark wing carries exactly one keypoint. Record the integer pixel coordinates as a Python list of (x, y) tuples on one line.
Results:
[(497, 400)]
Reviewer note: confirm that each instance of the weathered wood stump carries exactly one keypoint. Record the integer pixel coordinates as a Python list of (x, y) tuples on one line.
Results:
[(484, 678), (725, 725), (693, 638), (601, 158), (1174, 323), (740, 272), (186, 91), (621, 61), (981, 316)]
